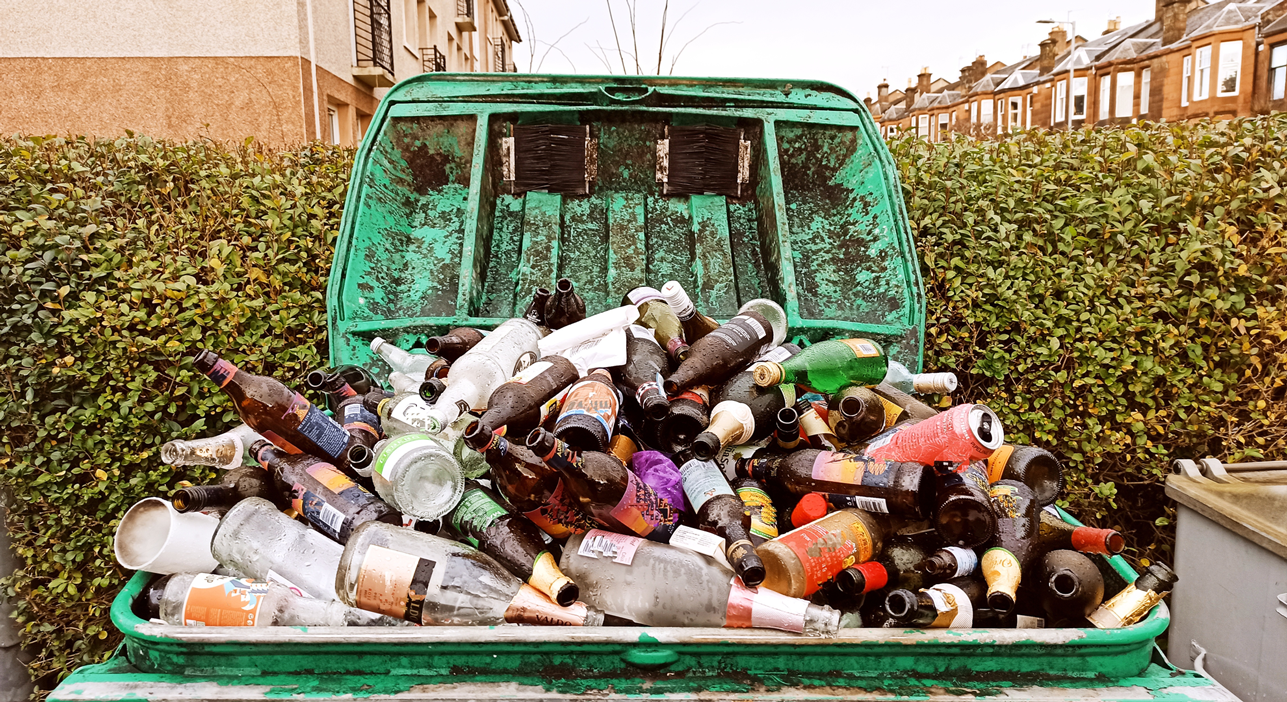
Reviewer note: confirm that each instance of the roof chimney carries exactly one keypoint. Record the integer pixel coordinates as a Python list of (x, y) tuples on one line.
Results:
[(1175, 18), (980, 67), (882, 91), (1061, 39), (1046, 59), (1114, 25), (910, 95), (923, 81)]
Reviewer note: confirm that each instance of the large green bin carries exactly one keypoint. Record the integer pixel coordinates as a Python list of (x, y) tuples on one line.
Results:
[(433, 238)]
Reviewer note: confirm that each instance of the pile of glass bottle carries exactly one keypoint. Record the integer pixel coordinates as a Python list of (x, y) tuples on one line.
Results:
[(719, 477)]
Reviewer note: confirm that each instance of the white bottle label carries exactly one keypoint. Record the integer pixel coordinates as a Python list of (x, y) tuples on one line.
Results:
[(703, 480), (966, 560), (414, 411), (1026, 622), (955, 611), (867, 504), (618, 547), (275, 577), (389, 462), (777, 354), (702, 542)]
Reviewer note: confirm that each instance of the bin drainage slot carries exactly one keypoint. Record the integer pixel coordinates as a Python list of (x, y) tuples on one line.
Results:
[(650, 658), (553, 158), (703, 159)]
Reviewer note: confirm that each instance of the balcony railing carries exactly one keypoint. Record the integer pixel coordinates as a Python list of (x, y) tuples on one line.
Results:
[(498, 56), (432, 60), (373, 34), (465, 15)]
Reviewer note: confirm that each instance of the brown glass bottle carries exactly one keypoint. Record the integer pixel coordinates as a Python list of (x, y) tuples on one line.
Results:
[(1137, 599), (235, 486), (866, 577), (856, 414), (512, 540), (279, 414), (786, 431), (921, 609), (535, 312), (564, 307), (947, 563), (588, 417), (1071, 587), (912, 408), (641, 376), (521, 403), (696, 325), (358, 380), (689, 415), (1054, 533), (765, 403), (534, 489), (655, 314), (331, 502), (764, 517), (720, 511), (1011, 550), (454, 343), (1035, 467), (815, 429), (905, 489), (963, 513), (717, 356), (607, 490)]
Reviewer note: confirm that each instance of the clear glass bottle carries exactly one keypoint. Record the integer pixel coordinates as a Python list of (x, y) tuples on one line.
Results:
[(497, 358), (225, 451), (418, 475), (415, 365), (919, 383), (435, 581), (772, 313), (204, 599), (258, 541)]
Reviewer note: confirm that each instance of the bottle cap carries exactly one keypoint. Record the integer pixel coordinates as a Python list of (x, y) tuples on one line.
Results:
[(767, 373), (376, 343), (934, 383), (810, 508), (678, 299)]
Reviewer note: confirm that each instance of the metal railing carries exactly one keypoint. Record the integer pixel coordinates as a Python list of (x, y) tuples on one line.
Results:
[(373, 33), (464, 8), (432, 60), (511, 68), (498, 56)]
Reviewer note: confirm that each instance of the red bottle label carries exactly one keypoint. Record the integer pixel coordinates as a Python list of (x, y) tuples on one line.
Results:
[(644, 512), (824, 552), (222, 372)]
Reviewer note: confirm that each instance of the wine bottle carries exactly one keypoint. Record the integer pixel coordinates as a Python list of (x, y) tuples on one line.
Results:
[(1135, 601), (589, 414), (1035, 467), (257, 540), (799, 561), (719, 355), (646, 364), (279, 414), (481, 369), (655, 314), (224, 451), (731, 423), (721, 512), (1054, 533), (455, 343), (202, 599), (419, 366), (772, 313), (897, 488), (687, 418), (564, 307), (513, 541), (948, 605), (828, 366), (522, 403), (1011, 549), (533, 488), (235, 485), (764, 518), (1071, 587), (430, 580), (696, 325), (607, 490)]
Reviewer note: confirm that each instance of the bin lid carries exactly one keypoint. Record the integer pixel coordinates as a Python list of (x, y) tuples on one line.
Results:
[(1253, 510), (443, 225)]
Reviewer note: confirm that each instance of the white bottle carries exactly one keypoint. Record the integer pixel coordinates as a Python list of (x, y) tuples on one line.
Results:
[(919, 383), (417, 475), (257, 541), (773, 313), (411, 364), (204, 599), (453, 584), (497, 358), (660, 585), (225, 451)]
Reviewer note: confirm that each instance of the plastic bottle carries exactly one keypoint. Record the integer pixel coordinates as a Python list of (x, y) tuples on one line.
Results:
[(224, 451)]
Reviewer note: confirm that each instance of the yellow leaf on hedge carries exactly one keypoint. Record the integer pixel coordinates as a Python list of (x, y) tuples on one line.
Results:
[(171, 344), (100, 474)]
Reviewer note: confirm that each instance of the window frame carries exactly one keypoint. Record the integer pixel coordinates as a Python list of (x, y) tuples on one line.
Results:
[(1202, 86), (974, 112), (923, 126), (943, 125), (333, 124), (1082, 84), (1236, 72), (1185, 78), (1146, 85), (1105, 96), (1014, 112), (1061, 102), (1129, 102), (985, 116), (1278, 74)]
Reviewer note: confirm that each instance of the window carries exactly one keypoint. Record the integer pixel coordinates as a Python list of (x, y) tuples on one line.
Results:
[(1061, 99), (1230, 68), (974, 112), (1184, 86), (1278, 72), (985, 112), (1145, 86), (923, 126), (410, 25), (333, 121), (942, 127), (1202, 76), (1016, 105), (1079, 97), (1125, 95), (1105, 94)]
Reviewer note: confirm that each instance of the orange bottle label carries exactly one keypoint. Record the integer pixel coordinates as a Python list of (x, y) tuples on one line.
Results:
[(825, 551), (218, 600)]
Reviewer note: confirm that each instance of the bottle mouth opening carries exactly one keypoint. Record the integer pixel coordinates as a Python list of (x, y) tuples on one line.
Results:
[(567, 594), (180, 501), (851, 407), (564, 286), (1000, 602), (169, 453), (671, 387), (359, 456), (475, 435), (753, 574), (656, 407), (315, 380), (847, 581), (705, 446), (899, 604), (1116, 543), (433, 345), (1064, 584), (788, 416)]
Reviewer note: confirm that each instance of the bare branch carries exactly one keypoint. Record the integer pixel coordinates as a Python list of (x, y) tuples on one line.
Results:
[(675, 27), (690, 41), (661, 43), (556, 44), (634, 34), (620, 54), (531, 36), (602, 60), (565, 56)]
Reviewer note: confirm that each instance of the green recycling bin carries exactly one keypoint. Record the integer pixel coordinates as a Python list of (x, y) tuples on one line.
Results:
[(453, 218)]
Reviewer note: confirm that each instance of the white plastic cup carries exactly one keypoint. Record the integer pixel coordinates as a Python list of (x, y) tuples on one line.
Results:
[(155, 537)]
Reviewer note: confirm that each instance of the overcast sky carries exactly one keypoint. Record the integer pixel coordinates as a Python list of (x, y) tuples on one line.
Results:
[(854, 43)]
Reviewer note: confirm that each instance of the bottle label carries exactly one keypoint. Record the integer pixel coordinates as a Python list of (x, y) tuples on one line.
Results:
[(653, 386), (892, 412), (412, 410), (944, 437), (275, 577), (955, 611), (638, 296), (777, 354), (867, 504), (643, 511), (861, 347), (360, 418), (219, 600), (525, 360), (222, 372), (531, 606), (1023, 621), (329, 436), (475, 513), (703, 480), (742, 333), (764, 516), (326, 518), (1005, 501), (525, 376), (976, 473), (641, 332), (559, 516), (390, 461), (675, 344), (728, 457), (279, 442), (594, 399), (966, 561), (396, 583), (699, 541), (763, 608), (851, 469), (997, 461), (618, 547), (825, 552)]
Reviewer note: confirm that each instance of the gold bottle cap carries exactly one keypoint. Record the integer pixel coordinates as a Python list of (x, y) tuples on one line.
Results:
[(767, 373)]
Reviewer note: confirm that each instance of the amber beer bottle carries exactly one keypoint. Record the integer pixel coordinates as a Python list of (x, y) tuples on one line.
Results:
[(328, 499), (607, 490), (722, 353), (1054, 533), (522, 403), (281, 415), (589, 415), (1012, 548), (857, 414), (512, 540), (1035, 467), (235, 486), (798, 562), (454, 343), (655, 314), (905, 489), (646, 365), (533, 488), (564, 307), (721, 512)]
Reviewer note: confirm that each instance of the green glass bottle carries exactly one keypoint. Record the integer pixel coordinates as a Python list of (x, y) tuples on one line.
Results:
[(828, 366)]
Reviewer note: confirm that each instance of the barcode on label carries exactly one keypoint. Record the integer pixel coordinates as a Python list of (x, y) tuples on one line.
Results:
[(1024, 622), (759, 328), (332, 517), (870, 504), (619, 547), (868, 348)]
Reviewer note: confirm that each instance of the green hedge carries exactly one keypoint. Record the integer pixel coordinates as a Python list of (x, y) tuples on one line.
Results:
[(1114, 295)]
